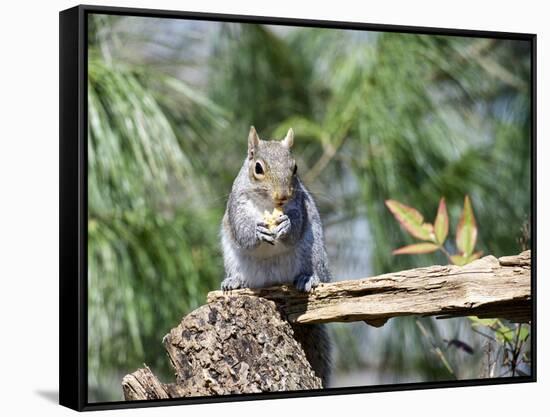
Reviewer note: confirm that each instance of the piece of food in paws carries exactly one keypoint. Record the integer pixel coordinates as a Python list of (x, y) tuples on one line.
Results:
[(271, 218)]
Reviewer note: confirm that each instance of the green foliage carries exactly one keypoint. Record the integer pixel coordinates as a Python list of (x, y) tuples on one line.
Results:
[(150, 257), (418, 91), (511, 342), (256, 77)]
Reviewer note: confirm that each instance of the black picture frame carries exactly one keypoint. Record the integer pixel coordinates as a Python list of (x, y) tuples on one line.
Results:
[(73, 204)]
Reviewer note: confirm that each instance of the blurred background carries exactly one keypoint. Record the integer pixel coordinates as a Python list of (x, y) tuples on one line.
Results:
[(376, 116)]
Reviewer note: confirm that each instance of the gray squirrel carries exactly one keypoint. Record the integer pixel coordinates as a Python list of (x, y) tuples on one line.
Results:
[(288, 250)]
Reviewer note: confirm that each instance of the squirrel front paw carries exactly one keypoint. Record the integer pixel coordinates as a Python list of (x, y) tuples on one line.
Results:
[(232, 283), (263, 234), (283, 227), (305, 282)]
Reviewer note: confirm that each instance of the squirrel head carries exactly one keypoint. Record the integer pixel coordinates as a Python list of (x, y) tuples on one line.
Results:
[(271, 167)]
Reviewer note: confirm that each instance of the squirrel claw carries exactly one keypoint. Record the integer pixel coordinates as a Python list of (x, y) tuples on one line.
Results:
[(306, 283), (282, 218), (264, 234), (231, 283), (283, 227)]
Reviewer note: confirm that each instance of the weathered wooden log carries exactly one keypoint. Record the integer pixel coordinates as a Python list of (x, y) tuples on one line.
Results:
[(241, 341), (143, 385), (487, 287)]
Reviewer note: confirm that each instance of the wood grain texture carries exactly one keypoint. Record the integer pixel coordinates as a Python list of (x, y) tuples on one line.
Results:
[(143, 385), (488, 287)]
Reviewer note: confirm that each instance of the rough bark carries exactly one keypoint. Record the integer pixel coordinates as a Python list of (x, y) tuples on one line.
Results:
[(241, 342), (234, 345)]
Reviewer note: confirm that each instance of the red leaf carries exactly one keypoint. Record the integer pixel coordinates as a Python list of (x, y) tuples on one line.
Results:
[(441, 224), (411, 220), (466, 231), (416, 248)]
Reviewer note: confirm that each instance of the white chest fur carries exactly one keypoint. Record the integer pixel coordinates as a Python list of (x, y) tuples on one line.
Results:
[(266, 264), (264, 272)]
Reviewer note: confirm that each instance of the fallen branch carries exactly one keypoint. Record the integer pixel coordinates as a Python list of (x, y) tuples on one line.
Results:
[(488, 287)]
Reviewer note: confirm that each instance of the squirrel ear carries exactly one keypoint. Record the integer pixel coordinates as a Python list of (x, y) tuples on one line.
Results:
[(288, 141), (253, 141)]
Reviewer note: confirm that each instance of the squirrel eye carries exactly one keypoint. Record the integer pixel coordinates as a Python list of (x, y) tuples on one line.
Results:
[(295, 170), (258, 170)]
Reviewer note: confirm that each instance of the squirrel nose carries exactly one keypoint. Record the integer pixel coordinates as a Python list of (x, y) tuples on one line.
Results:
[(280, 197)]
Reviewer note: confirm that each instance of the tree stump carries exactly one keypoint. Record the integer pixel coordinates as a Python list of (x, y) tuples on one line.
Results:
[(235, 345)]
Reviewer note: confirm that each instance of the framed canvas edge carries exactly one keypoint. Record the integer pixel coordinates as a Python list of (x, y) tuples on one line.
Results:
[(73, 320), (72, 188), (291, 21)]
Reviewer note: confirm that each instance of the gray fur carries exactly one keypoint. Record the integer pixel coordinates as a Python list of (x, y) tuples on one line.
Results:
[(293, 253)]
